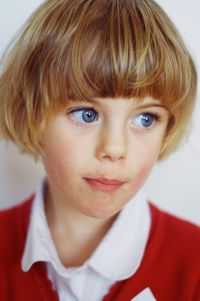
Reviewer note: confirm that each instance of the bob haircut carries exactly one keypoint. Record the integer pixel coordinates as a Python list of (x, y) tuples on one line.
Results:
[(80, 50)]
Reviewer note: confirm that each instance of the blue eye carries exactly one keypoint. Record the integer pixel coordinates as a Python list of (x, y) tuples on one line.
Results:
[(86, 115), (144, 120)]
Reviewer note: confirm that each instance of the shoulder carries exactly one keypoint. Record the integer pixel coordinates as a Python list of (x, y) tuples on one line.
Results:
[(175, 234), (173, 251), (11, 215), (171, 222), (13, 226)]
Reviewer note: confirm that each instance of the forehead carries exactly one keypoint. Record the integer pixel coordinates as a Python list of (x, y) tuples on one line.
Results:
[(145, 101)]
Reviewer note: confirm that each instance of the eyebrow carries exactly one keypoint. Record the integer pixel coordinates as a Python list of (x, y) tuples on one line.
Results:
[(141, 103), (153, 104)]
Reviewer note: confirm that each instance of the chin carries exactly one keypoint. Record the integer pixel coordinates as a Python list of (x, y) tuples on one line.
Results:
[(101, 214)]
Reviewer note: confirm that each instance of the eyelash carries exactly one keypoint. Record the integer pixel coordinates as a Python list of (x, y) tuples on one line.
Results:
[(156, 116), (77, 110)]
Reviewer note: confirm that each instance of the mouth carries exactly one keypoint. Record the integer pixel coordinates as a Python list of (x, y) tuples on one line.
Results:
[(109, 185)]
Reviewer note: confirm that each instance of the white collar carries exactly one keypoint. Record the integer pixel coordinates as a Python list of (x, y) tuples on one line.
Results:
[(118, 255)]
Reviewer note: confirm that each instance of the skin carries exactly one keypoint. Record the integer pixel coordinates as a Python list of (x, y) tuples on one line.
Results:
[(114, 146)]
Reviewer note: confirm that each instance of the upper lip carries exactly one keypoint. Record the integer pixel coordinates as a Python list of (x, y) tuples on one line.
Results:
[(107, 181)]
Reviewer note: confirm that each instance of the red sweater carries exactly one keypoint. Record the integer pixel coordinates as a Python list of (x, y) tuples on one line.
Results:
[(170, 266)]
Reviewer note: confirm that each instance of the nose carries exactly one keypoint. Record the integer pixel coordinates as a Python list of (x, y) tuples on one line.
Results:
[(112, 144)]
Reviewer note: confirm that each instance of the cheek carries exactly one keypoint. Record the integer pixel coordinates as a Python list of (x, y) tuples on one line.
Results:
[(143, 169), (64, 163), (140, 177), (59, 160)]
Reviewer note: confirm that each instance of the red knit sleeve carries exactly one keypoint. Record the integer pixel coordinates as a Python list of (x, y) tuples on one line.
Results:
[(3, 284), (197, 293)]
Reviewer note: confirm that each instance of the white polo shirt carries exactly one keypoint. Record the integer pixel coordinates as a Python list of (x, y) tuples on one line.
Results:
[(117, 256)]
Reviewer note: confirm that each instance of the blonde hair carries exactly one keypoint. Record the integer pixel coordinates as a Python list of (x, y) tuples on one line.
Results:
[(78, 50)]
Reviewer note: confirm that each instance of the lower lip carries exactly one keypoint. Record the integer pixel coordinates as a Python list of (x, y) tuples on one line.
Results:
[(103, 187)]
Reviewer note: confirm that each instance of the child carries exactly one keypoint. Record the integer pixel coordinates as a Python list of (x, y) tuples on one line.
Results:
[(99, 91)]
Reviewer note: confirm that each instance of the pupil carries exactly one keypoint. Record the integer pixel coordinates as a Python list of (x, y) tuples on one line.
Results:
[(89, 116), (147, 120)]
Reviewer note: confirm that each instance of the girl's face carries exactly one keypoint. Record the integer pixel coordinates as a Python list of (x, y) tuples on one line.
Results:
[(98, 154)]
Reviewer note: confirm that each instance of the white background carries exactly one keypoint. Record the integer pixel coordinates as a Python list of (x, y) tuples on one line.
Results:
[(174, 184)]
